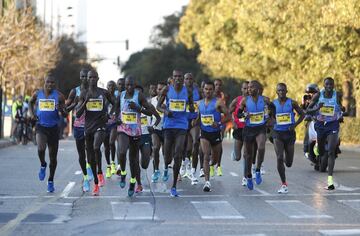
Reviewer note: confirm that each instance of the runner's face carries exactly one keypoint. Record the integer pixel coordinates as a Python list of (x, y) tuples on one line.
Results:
[(129, 86), (110, 87), (281, 91), (329, 85), (244, 89), (159, 88), (189, 81), (83, 76), (218, 86), (208, 90), (253, 89), (49, 83), (152, 90), (121, 85), (92, 78), (178, 78)]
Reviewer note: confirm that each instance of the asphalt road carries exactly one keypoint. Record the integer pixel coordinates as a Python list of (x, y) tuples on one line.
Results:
[(229, 209)]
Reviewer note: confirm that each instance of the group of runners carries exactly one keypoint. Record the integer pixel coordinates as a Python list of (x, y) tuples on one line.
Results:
[(184, 121)]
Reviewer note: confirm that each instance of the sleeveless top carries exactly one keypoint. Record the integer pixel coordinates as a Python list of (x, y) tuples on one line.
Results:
[(79, 122), (209, 115), (47, 108), (256, 111), (284, 115), (176, 102), (131, 122), (331, 109)]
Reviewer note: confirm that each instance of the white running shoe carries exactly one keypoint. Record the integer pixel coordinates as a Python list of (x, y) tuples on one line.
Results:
[(253, 171), (201, 173), (182, 169), (188, 170), (283, 189), (262, 170), (207, 186), (243, 181)]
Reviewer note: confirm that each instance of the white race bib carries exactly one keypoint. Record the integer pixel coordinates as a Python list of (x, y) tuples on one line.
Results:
[(207, 120), (94, 104), (47, 104), (283, 118), (256, 118), (177, 105), (129, 118)]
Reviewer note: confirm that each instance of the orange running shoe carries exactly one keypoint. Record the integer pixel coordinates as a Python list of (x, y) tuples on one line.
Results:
[(101, 180), (138, 189), (96, 191)]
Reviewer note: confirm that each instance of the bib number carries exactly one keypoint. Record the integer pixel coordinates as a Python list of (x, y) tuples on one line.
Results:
[(196, 107), (47, 104), (256, 118), (283, 118), (207, 120), (144, 121), (177, 105), (94, 104), (129, 118), (327, 110)]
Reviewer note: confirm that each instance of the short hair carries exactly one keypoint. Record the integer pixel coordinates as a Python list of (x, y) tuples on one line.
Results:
[(282, 84), (329, 78), (258, 84), (220, 80), (210, 83), (162, 83), (93, 71), (189, 74)]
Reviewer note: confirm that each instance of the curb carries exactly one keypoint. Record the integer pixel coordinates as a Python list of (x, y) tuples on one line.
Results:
[(6, 143)]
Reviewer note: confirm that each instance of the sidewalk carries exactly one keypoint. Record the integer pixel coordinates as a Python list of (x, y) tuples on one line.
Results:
[(6, 142)]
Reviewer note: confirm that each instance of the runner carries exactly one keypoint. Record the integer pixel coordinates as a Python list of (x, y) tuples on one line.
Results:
[(328, 108), (210, 109), (239, 125), (120, 86), (79, 132), (111, 133), (92, 101), (131, 103), (177, 97), (254, 130), (193, 136), (284, 131), (157, 136), (49, 103)]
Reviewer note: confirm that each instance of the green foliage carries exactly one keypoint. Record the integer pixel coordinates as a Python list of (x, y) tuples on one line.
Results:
[(273, 41)]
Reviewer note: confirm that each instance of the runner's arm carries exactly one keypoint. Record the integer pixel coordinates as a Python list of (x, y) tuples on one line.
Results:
[(148, 109), (80, 107), (191, 99), (71, 101), (32, 104), (161, 101), (300, 111), (312, 108), (221, 107), (62, 105)]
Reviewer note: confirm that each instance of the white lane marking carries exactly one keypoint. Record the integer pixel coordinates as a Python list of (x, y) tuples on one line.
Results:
[(353, 167), (345, 188), (262, 191), (67, 189), (132, 211), (340, 232), (78, 172), (354, 203), (234, 174), (216, 210), (295, 209)]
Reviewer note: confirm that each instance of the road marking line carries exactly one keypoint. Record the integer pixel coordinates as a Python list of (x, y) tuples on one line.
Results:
[(78, 172), (234, 174), (353, 167), (340, 232), (354, 203), (132, 211), (210, 210), (345, 188), (295, 209), (67, 190)]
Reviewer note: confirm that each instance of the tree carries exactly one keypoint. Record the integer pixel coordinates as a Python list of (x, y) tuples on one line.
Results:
[(291, 41)]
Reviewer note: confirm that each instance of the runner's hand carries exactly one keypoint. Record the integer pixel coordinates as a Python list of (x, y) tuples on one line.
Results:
[(168, 113)]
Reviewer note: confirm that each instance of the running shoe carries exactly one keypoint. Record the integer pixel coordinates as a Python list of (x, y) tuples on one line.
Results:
[(262, 170), (86, 185), (258, 178), (219, 171), (188, 169), (118, 170), (201, 173), (182, 168), (108, 172), (89, 172), (122, 179), (50, 187), (250, 184), (283, 189), (42, 172), (173, 192), (243, 181), (138, 189), (131, 189), (165, 176), (306, 155), (155, 176), (113, 168), (253, 170), (96, 190), (207, 186), (212, 171), (101, 180), (194, 180)]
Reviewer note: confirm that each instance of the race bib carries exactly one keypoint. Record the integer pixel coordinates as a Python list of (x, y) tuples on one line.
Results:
[(129, 118), (256, 118), (144, 121), (327, 110), (207, 120), (94, 104), (47, 104), (177, 105), (283, 118), (196, 107)]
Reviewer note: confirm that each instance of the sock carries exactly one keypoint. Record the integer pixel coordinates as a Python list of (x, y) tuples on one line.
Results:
[(330, 180)]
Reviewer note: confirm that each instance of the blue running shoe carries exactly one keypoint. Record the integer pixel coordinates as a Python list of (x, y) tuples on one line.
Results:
[(250, 184), (173, 192), (131, 189), (258, 178), (89, 172), (165, 175), (122, 181), (86, 185), (50, 187), (155, 176), (42, 172)]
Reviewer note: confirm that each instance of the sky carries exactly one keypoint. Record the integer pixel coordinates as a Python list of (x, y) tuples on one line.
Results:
[(110, 20)]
